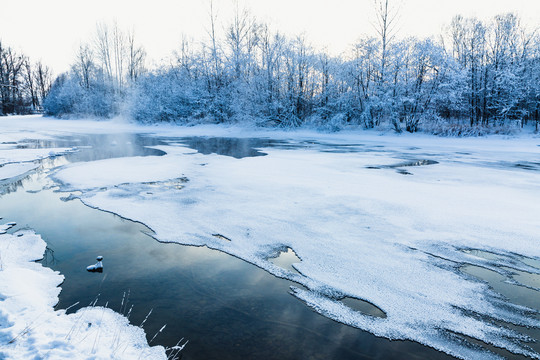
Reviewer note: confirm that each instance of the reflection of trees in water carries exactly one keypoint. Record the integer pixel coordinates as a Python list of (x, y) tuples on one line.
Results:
[(98, 146), (235, 147), (10, 187), (51, 163), (42, 144), (108, 146)]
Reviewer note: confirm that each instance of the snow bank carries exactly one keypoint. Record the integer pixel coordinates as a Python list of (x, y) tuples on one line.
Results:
[(374, 234), (31, 329)]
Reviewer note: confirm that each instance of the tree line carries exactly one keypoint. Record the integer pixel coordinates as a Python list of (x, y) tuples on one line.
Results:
[(23, 84), (477, 74)]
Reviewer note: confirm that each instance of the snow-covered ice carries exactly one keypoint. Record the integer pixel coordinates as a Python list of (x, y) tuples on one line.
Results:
[(9, 171), (397, 241), (8, 156)]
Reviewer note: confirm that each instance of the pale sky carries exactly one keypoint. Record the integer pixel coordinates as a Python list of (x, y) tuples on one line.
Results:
[(51, 30)]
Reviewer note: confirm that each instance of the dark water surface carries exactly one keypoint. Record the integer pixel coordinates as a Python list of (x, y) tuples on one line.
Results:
[(235, 147), (225, 307)]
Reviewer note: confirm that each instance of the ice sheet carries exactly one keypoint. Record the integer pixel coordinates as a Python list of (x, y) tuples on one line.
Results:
[(8, 156), (16, 169)]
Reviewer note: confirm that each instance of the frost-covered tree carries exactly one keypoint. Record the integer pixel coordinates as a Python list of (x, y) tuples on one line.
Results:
[(68, 98), (419, 70), (43, 79), (386, 15), (478, 73), (469, 45), (495, 57), (23, 84), (136, 56), (167, 96), (100, 76)]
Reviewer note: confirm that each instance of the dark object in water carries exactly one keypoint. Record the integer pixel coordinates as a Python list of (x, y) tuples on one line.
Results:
[(97, 267)]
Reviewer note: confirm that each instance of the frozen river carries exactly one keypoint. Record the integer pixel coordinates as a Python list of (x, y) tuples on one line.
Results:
[(440, 235)]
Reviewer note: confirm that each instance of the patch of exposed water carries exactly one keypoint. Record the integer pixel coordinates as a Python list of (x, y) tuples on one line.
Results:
[(221, 237), (482, 254), (534, 166), (363, 307), (286, 260), (399, 166), (250, 147), (516, 294), (512, 165), (235, 147), (526, 279), (532, 262)]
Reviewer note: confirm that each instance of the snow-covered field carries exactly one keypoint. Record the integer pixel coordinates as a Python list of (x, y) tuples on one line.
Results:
[(395, 236)]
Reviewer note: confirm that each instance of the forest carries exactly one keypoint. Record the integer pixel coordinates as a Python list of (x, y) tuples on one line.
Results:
[(23, 84), (476, 77)]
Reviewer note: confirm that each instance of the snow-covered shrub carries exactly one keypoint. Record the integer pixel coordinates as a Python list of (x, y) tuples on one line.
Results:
[(62, 97), (442, 127), (336, 123), (165, 96), (68, 98)]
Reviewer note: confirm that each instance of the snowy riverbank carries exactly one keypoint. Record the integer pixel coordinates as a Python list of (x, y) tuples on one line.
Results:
[(29, 325), (32, 329)]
